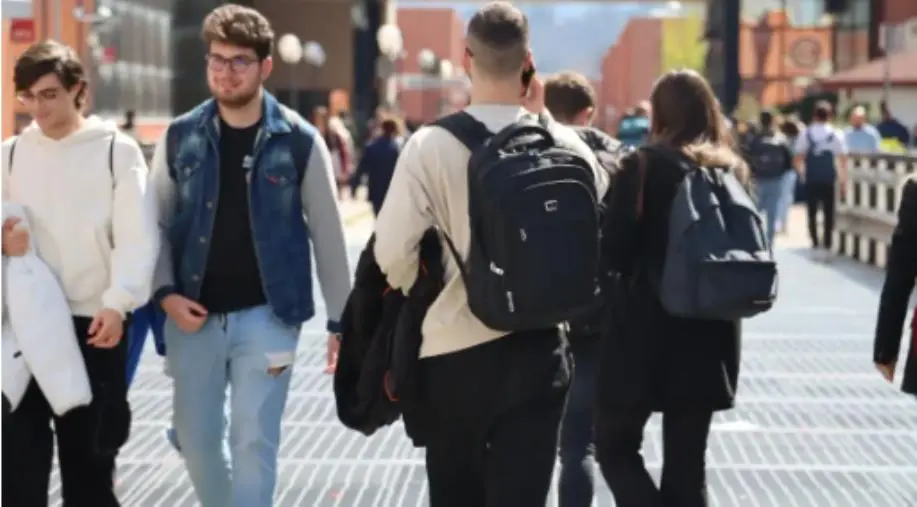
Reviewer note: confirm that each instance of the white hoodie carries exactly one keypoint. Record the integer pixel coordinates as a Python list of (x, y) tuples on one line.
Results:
[(94, 226)]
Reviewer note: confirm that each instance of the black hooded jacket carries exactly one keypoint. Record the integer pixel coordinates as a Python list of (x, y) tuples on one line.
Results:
[(376, 379)]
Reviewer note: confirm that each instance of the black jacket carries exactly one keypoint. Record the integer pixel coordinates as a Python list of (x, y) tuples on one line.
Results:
[(376, 379), (901, 270)]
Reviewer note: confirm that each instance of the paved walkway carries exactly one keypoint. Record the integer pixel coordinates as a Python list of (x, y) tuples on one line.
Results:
[(815, 426)]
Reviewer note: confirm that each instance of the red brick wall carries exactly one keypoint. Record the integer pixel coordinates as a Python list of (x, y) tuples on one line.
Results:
[(440, 30), (897, 11), (629, 69)]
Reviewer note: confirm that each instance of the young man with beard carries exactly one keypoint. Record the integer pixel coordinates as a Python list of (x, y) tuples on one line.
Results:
[(571, 100), (494, 398), (246, 189), (83, 185)]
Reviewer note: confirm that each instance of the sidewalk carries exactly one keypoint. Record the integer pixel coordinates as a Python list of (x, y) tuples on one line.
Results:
[(355, 208)]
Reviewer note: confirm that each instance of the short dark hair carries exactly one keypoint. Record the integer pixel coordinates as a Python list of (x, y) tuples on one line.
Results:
[(50, 57), (766, 119), (498, 39), (568, 94), (822, 111), (392, 127), (240, 26)]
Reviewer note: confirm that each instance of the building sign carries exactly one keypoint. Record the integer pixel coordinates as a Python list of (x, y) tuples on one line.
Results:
[(22, 30)]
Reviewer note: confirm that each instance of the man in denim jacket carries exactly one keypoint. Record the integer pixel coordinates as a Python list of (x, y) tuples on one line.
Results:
[(244, 185)]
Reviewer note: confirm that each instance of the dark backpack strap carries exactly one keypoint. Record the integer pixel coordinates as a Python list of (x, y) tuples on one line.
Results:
[(111, 157), (465, 128), (473, 134), (12, 152)]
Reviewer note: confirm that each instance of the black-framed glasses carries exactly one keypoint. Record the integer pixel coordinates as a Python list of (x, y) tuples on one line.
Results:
[(235, 64)]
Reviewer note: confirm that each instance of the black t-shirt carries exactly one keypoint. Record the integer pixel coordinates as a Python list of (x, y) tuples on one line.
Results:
[(232, 280)]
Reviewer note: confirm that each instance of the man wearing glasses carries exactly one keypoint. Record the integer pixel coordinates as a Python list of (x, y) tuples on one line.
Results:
[(245, 189), (93, 222)]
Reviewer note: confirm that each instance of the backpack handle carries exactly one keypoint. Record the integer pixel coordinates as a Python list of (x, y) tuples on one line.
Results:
[(526, 129)]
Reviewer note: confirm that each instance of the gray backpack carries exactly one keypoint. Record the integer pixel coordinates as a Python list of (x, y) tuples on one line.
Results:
[(718, 265)]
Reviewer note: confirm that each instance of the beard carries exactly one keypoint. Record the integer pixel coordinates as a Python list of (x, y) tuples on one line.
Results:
[(236, 100)]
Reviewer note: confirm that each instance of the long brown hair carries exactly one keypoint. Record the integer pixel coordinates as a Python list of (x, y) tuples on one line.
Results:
[(686, 116)]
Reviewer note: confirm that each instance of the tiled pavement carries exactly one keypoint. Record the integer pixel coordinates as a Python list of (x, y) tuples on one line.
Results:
[(815, 426)]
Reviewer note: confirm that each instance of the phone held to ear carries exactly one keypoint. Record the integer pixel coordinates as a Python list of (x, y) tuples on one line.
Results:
[(527, 76)]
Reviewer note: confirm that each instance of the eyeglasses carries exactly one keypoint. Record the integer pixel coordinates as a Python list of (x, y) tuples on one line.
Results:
[(235, 64)]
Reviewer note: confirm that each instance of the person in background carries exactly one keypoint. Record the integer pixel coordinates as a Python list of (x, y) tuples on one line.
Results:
[(378, 162), (653, 361), (821, 160), (770, 158), (891, 128), (337, 145), (900, 272), (861, 137), (571, 100), (789, 127), (129, 126), (634, 128)]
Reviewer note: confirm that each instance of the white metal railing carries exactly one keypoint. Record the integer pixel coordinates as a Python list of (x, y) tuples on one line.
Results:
[(867, 213)]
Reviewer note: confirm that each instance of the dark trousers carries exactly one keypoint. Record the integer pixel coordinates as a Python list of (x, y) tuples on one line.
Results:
[(821, 196), (577, 446), (619, 437), (494, 412), (88, 438)]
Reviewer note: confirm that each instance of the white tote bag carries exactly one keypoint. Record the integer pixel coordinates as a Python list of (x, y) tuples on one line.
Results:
[(42, 326)]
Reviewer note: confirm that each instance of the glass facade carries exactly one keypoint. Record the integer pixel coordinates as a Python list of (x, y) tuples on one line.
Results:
[(133, 60), (852, 35)]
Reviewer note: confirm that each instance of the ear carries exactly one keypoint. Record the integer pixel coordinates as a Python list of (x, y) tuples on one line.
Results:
[(529, 60), (585, 116), (267, 66), (466, 61)]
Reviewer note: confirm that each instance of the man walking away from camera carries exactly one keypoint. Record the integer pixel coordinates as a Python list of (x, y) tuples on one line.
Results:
[(495, 398), (770, 158), (571, 100)]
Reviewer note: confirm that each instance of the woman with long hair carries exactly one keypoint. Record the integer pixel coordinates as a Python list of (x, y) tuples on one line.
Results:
[(652, 361)]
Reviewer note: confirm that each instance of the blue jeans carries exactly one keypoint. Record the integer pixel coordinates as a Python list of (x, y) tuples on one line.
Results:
[(252, 351), (770, 193), (789, 197), (577, 448)]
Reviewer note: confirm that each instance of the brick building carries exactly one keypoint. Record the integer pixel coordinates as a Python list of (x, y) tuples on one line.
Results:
[(628, 69), (442, 31)]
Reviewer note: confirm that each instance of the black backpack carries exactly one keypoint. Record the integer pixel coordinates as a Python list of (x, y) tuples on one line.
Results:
[(610, 152), (718, 264), (769, 156), (534, 217)]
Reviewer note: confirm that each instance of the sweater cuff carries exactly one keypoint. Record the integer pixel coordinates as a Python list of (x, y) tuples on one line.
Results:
[(161, 294), (334, 326)]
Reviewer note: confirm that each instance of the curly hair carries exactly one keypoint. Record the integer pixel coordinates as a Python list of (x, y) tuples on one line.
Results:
[(240, 26)]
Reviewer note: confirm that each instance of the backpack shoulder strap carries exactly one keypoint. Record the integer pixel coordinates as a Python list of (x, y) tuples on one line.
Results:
[(111, 156), (171, 149), (465, 128), (300, 154), (9, 162)]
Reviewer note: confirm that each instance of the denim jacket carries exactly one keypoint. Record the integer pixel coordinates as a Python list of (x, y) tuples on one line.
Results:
[(291, 201)]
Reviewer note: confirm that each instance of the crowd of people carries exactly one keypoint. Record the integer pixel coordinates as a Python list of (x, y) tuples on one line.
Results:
[(516, 356)]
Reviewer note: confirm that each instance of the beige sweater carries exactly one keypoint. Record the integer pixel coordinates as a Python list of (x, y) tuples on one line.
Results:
[(430, 187)]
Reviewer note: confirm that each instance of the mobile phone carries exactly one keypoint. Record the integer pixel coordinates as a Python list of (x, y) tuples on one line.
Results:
[(527, 76)]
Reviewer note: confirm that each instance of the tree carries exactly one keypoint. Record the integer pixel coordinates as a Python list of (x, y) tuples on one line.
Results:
[(682, 45)]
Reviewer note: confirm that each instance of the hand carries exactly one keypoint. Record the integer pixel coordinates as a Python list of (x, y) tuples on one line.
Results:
[(842, 185), (188, 315), (533, 101), (15, 239), (331, 357), (106, 329), (887, 371)]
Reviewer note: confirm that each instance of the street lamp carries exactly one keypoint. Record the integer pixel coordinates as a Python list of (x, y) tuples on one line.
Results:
[(291, 52), (446, 71), (314, 54), (391, 46), (427, 60), (390, 41)]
